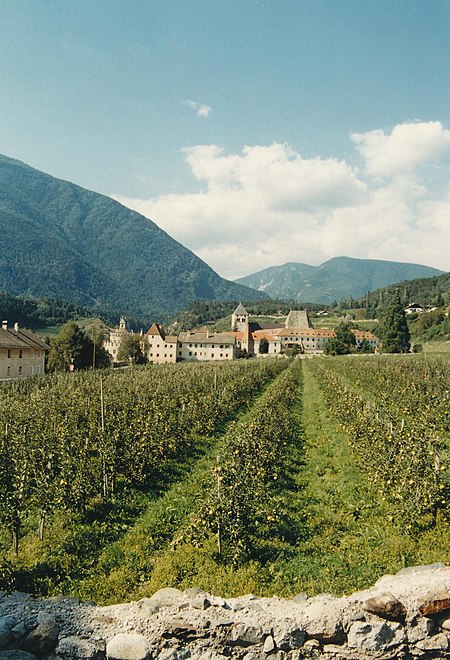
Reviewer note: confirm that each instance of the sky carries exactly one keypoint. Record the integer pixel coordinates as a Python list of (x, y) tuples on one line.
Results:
[(254, 132)]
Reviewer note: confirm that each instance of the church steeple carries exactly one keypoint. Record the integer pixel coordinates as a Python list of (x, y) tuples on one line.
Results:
[(239, 319)]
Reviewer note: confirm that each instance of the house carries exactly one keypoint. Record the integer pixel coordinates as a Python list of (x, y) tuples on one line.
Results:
[(22, 353), (414, 308), (159, 347), (205, 345)]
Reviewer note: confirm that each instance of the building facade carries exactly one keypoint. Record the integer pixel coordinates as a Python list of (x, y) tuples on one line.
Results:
[(160, 348), (245, 338), (22, 353), (112, 343)]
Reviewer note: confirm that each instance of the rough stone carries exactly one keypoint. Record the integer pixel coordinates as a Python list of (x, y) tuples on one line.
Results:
[(300, 598), (288, 635), (435, 602), (385, 605), (321, 619), (20, 630), (223, 622), (419, 627), (167, 597), (258, 629), (183, 628), (269, 644), (408, 570), (77, 647), (43, 638), (438, 642), (245, 633), (375, 636), (125, 646), (193, 591), (7, 623), (199, 602)]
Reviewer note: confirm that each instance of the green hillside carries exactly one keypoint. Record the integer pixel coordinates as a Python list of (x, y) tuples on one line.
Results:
[(66, 242), (433, 291)]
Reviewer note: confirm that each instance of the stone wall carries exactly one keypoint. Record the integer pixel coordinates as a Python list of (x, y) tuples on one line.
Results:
[(402, 616)]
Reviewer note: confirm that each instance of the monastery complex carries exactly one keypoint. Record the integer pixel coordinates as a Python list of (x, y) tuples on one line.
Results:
[(244, 338)]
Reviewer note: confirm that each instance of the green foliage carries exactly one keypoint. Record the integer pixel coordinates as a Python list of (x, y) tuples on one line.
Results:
[(431, 326), (73, 348), (39, 312), (393, 328), (59, 448), (264, 346), (130, 350), (433, 291), (239, 507), (365, 347), (327, 497), (398, 438), (344, 342)]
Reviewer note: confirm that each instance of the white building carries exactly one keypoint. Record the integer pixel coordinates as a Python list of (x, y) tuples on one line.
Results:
[(244, 337), (159, 347), (112, 343), (22, 353), (205, 345)]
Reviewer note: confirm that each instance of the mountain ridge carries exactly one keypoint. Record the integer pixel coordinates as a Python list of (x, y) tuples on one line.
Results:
[(336, 278), (62, 240)]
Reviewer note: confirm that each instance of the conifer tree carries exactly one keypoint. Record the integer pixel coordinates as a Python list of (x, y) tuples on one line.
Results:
[(394, 331)]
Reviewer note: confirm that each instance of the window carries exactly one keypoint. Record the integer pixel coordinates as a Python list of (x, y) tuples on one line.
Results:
[(39, 368), (20, 353), (32, 370), (20, 370), (9, 371), (190, 352), (9, 352)]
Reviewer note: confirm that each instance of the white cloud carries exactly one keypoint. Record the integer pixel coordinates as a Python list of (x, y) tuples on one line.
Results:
[(200, 109), (268, 205), (407, 147)]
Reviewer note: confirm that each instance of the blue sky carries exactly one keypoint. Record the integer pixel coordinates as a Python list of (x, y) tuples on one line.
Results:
[(254, 132)]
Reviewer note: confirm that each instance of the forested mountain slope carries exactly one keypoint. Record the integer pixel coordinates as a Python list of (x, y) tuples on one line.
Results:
[(63, 241)]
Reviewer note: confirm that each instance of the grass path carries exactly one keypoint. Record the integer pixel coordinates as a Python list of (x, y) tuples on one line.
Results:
[(348, 539)]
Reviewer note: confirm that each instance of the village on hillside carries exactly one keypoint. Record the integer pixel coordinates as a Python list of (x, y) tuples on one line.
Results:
[(244, 338)]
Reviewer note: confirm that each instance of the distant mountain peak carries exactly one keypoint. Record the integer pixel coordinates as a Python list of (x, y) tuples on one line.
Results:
[(336, 278)]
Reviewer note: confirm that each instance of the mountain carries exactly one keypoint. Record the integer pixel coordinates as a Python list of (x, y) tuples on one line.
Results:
[(341, 277), (63, 241)]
